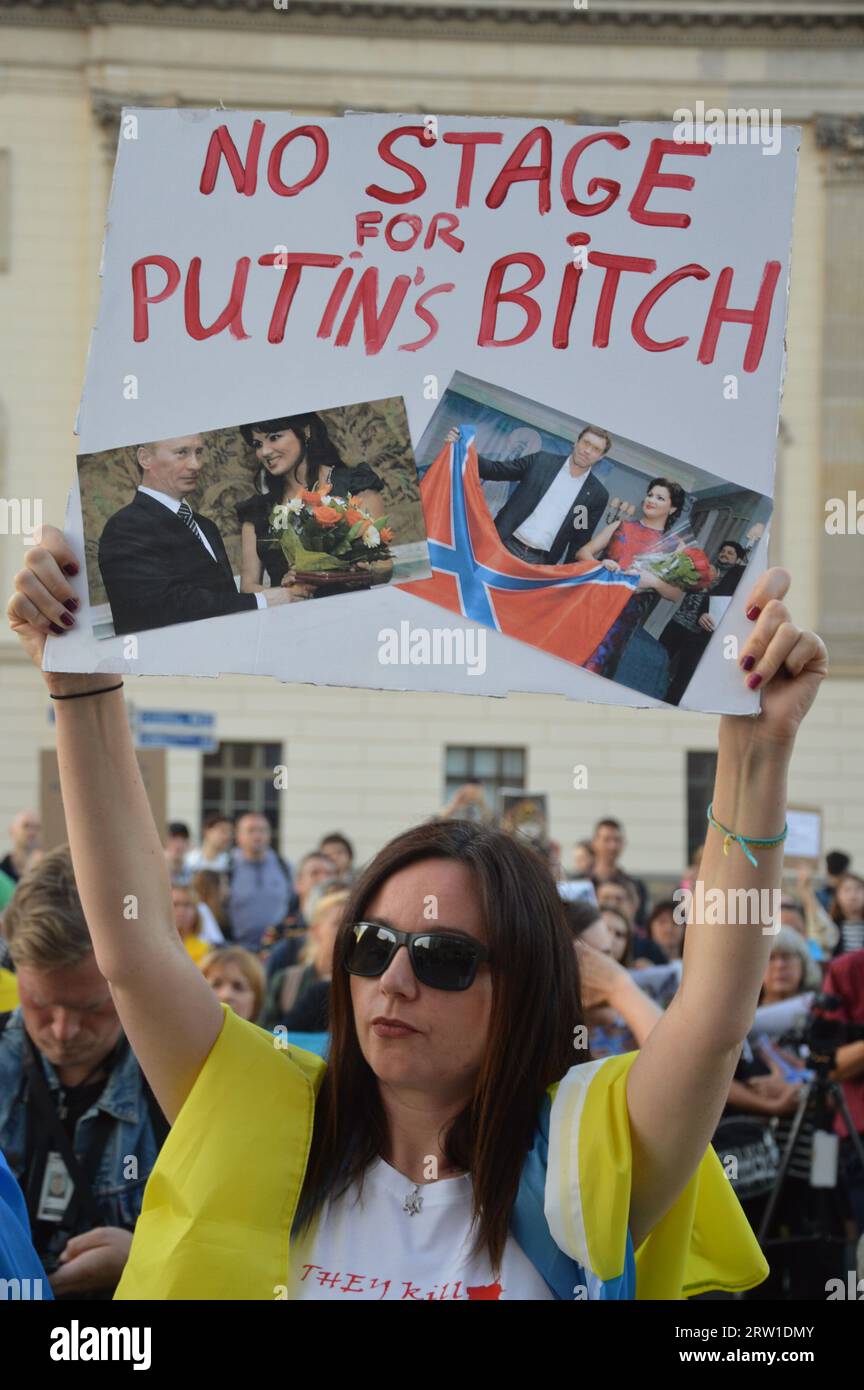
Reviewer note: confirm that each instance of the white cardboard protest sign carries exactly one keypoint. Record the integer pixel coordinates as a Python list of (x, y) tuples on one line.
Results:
[(257, 264)]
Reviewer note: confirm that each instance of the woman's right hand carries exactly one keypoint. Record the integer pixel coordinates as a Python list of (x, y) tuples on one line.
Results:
[(44, 603), (452, 434)]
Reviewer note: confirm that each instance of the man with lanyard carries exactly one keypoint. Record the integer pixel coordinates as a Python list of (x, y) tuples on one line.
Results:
[(78, 1125)]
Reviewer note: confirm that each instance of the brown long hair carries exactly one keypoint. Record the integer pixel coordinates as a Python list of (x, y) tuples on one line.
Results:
[(837, 915), (535, 1010)]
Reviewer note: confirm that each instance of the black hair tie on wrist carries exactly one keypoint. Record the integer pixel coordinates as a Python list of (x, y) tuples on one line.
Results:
[(106, 690)]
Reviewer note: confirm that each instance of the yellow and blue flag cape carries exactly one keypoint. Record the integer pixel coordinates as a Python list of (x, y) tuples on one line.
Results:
[(220, 1201)]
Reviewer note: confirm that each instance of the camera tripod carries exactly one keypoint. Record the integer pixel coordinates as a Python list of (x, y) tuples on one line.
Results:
[(829, 1241)]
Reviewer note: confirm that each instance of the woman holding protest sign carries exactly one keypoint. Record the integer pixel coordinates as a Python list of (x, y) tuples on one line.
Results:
[(490, 1166)]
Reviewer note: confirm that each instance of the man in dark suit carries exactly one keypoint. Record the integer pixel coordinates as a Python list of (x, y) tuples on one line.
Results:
[(163, 563), (689, 630), (558, 503)]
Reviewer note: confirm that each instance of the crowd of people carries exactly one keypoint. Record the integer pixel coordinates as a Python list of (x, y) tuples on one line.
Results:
[(428, 1022), (263, 932)]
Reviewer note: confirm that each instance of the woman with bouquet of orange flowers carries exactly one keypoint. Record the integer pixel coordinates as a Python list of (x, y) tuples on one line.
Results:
[(300, 466)]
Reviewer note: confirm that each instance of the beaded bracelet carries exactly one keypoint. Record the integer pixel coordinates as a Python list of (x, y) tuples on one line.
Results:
[(744, 840)]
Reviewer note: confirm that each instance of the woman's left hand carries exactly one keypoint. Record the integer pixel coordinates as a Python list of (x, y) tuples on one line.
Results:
[(779, 659)]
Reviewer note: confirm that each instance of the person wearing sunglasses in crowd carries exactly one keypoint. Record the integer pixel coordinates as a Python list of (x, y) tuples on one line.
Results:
[(458, 1143)]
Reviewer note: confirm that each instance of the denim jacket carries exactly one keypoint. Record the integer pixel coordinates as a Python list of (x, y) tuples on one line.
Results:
[(119, 1196)]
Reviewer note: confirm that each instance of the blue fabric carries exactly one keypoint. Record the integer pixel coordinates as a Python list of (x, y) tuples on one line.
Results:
[(18, 1260), (565, 1276), (310, 1042), (644, 665)]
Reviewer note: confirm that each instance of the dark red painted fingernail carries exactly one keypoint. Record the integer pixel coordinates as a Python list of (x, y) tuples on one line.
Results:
[(748, 663), (753, 613), (70, 569), (58, 631), (71, 604), (754, 682), (65, 618)]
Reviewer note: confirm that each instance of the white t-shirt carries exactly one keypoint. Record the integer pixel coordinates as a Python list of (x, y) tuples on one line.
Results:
[(211, 932), (542, 526), (220, 865), (373, 1249)]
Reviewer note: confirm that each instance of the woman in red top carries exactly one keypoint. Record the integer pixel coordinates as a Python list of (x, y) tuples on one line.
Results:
[(621, 543)]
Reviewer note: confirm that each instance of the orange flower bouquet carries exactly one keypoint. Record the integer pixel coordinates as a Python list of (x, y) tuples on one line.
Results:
[(331, 540)]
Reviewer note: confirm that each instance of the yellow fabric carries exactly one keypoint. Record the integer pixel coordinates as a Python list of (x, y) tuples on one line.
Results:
[(219, 1204), (197, 948), (703, 1242), (8, 992), (221, 1198)]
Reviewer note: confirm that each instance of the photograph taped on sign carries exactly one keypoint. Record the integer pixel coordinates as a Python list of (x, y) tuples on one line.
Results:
[(597, 549), (214, 522)]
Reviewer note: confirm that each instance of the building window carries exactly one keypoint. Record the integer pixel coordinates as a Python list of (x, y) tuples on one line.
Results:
[(494, 767), (701, 768), (240, 777)]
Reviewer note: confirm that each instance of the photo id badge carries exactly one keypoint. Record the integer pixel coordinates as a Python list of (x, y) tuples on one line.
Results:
[(57, 1188)]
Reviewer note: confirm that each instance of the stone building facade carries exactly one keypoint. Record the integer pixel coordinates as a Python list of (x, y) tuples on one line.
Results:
[(370, 763)]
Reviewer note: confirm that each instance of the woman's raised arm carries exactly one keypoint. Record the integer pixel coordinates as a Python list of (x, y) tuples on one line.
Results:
[(679, 1083), (168, 1011)]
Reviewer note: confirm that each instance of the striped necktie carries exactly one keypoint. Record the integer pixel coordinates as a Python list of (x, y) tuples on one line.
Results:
[(185, 515)]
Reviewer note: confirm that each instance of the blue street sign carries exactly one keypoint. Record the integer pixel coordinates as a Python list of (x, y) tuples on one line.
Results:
[(159, 738), (186, 719)]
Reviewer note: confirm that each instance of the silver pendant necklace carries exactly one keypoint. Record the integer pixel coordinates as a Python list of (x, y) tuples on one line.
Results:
[(413, 1201)]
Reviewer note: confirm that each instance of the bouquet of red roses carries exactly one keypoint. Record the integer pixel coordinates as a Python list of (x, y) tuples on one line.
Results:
[(686, 569)]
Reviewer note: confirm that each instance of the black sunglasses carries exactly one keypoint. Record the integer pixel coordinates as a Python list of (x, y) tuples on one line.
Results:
[(439, 959)]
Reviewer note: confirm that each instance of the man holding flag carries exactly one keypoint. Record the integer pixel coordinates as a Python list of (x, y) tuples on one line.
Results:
[(558, 503), (565, 610)]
